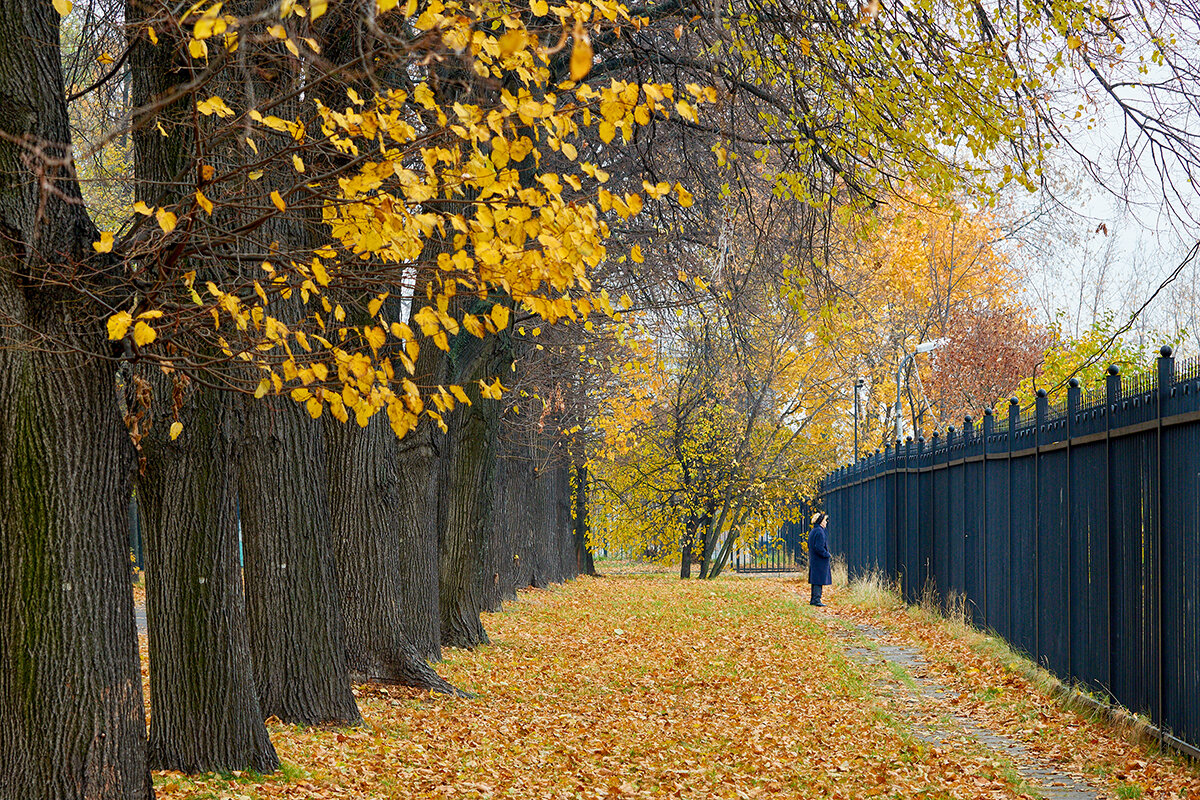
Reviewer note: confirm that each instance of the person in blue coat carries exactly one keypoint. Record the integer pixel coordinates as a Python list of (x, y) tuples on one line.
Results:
[(818, 558)]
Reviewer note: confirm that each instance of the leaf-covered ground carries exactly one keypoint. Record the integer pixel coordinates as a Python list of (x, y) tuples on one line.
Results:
[(999, 691), (645, 686)]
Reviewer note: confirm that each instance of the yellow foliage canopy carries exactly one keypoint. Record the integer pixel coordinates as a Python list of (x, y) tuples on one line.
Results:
[(422, 175)]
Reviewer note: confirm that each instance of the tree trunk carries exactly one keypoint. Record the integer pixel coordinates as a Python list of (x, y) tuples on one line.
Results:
[(508, 518), (205, 714), (686, 544), (294, 607), (72, 723), (206, 711), (706, 540), (365, 510), (584, 563), (540, 549), (518, 572), (564, 528), (467, 484), (739, 516), (417, 519)]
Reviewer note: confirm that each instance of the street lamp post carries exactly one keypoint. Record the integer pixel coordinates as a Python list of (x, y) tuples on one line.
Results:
[(857, 390), (923, 347)]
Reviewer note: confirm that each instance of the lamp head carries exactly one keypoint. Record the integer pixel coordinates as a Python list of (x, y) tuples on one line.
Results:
[(932, 344)]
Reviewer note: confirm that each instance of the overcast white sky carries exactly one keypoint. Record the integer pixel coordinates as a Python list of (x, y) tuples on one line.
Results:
[(1118, 217)]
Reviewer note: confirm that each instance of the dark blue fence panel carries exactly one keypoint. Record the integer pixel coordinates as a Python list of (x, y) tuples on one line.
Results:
[(956, 530), (1181, 580), (1073, 531), (1023, 541), (912, 537), (997, 564), (1135, 670), (1052, 563), (924, 533), (890, 511), (972, 538), (1089, 581)]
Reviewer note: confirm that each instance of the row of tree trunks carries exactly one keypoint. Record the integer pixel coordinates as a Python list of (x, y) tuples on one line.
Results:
[(201, 673), (506, 503), (366, 514), (71, 712), (584, 563), (538, 534)]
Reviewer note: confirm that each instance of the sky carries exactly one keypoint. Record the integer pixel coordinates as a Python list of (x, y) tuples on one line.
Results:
[(1119, 214)]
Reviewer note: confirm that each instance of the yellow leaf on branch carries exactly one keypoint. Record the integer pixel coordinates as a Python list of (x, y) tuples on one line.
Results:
[(166, 220), (143, 334), (118, 324)]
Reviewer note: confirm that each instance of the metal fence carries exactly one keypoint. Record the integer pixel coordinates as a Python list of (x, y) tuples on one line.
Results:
[(1073, 533), (782, 553)]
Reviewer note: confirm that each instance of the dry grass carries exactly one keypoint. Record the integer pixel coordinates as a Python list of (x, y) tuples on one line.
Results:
[(839, 572), (874, 590)]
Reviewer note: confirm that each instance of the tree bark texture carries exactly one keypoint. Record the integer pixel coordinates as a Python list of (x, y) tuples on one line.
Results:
[(467, 485), (71, 715), (293, 599), (686, 545), (541, 552), (564, 528), (293, 604), (204, 710), (417, 535), (365, 507), (507, 542)]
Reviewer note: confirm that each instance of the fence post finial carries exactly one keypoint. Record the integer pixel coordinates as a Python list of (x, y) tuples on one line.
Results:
[(1166, 370), (1112, 391), (1014, 416), (1072, 405), (1041, 406)]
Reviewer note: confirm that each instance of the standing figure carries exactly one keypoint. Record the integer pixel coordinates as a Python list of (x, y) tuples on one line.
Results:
[(818, 558)]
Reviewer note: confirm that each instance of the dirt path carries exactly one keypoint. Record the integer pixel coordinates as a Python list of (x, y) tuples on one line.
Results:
[(911, 689)]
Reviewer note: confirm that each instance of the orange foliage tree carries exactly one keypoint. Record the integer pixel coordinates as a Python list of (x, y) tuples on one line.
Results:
[(925, 268)]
